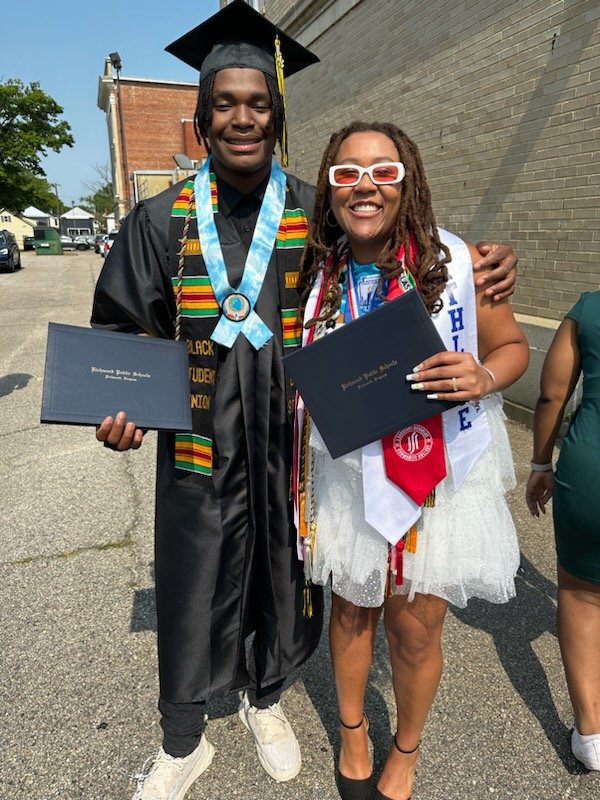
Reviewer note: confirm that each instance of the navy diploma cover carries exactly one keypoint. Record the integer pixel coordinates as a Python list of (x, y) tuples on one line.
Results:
[(353, 380), (92, 373)]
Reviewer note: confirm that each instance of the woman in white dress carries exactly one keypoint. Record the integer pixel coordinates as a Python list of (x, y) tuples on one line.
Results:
[(387, 548)]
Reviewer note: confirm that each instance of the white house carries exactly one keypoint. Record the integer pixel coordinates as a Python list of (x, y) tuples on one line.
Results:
[(77, 222)]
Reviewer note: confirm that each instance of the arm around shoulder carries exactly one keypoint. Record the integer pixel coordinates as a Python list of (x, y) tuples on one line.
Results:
[(503, 346), (496, 265)]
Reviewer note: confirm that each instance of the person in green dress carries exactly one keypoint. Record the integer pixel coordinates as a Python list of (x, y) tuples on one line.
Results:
[(574, 352)]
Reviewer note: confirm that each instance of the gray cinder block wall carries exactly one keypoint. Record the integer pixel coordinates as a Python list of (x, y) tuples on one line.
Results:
[(502, 99)]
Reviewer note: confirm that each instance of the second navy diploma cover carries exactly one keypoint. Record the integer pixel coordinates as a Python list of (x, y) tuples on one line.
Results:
[(353, 380), (92, 373)]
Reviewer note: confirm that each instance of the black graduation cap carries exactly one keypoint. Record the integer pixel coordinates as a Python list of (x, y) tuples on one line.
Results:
[(238, 36)]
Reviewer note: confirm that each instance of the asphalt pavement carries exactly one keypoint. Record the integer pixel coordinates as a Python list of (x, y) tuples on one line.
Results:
[(78, 683)]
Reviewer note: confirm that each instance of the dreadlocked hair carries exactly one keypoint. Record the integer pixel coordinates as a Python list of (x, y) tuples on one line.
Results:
[(203, 112), (415, 219)]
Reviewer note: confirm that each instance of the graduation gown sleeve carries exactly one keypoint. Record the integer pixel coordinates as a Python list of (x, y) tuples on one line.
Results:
[(133, 293)]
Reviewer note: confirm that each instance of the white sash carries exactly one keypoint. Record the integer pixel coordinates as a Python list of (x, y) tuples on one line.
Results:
[(466, 432)]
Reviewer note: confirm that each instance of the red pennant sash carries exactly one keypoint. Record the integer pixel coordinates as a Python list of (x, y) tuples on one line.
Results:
[(414, 456)]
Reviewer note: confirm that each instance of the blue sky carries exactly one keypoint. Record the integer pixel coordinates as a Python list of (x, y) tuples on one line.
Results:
[(63, 45)]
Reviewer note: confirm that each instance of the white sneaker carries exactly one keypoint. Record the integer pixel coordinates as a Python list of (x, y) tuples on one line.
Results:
[(586, 749), (169, 778), (276, 743)]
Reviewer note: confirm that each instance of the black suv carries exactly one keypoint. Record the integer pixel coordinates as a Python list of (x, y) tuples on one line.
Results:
[(10, 257)]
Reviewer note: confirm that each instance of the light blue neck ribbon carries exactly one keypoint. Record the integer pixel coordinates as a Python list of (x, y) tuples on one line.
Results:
[(363, 279), (263, 241)]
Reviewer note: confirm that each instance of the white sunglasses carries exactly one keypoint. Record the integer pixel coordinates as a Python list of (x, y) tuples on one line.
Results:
[(381, 174)]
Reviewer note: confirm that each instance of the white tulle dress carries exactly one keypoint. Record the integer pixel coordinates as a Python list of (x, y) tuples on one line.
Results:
[(466, 545)]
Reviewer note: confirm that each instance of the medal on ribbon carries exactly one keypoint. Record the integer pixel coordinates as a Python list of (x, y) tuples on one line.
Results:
[(236, 307)]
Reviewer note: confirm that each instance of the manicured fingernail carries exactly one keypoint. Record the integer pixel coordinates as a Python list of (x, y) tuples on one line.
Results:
[(412, 376), (417, 386), (120, 417), (431, 396), (418, 368)]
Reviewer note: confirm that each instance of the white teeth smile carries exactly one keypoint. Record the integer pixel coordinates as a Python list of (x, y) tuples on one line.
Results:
[(365, 207)]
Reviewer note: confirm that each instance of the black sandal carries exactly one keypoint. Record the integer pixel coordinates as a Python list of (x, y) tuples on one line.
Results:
[(378, 795), (353, 788)]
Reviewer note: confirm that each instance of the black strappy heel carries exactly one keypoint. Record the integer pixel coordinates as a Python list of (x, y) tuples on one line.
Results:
[(353, 788), (379, 795)]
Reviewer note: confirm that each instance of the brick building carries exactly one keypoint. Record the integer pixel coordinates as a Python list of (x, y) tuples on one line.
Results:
[(149, 122), (502, 99)]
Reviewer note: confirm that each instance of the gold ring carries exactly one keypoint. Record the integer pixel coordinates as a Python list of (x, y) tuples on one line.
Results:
[(454, 386)]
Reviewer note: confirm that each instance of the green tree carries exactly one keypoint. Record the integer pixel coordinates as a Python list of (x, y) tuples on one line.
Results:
[(41, 194), (29, 128)]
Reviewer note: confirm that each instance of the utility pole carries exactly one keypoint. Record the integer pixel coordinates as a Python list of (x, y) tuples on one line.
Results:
[(56, 185)]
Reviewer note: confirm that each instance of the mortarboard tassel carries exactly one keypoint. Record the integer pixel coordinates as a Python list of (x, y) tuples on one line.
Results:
[(281, 86)]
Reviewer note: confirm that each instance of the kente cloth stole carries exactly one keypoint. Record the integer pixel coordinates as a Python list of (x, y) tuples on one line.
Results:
[(200, 314)]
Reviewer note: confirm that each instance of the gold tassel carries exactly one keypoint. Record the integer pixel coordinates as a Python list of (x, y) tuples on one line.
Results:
[(281, 85), (303, 468), (307, 610), (308, 526), (302, 512), (430, 500), (411, 540)]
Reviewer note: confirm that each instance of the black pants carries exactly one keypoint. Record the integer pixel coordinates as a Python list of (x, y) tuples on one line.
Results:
[(183, 723)]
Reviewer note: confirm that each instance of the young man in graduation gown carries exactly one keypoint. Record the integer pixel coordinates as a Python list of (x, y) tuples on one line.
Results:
[(213, 261)]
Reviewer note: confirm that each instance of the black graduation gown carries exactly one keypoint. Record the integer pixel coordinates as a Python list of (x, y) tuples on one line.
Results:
[(226, 562)]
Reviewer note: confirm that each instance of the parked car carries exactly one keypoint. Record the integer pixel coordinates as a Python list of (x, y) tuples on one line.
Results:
[(67, 242), (73, 242), (99, 240), (82, 243), (29, 243), (10, 255), (108, 243)]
